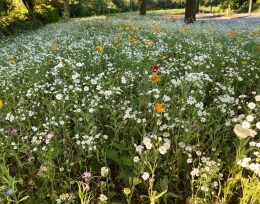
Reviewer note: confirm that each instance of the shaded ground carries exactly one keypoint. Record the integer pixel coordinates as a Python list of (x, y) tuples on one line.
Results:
[(236, 18)]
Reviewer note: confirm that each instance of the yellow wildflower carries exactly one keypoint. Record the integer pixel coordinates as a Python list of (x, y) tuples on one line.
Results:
[(64, 196), (164, 57), (1, 104), (54, 48), (244, 62), (99, 48), (133, 40), (12, 61), (126, 191)]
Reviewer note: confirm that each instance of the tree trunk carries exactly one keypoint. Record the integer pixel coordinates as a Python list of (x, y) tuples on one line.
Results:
[(66, 9), (197, 6), (30, 7), (142, 7), (190, 11), (250, 7)]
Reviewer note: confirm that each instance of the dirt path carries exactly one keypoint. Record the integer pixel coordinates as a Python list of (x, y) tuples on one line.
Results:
[(236, 18)]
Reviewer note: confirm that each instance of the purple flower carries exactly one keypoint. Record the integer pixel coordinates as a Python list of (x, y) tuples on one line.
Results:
[(86, 175), (195, 127), (87, 186)]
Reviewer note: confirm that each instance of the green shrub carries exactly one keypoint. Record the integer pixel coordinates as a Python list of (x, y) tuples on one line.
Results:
[(46, 13)]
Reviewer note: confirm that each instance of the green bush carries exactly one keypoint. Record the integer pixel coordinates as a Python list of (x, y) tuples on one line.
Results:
[(46, 13)]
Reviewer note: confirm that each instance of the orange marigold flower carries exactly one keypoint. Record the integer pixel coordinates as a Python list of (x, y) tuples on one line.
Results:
[(158, 108), (156, 77), (1, 104)]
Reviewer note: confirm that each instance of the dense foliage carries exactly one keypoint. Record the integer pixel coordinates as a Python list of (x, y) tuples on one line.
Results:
[(130, 110)]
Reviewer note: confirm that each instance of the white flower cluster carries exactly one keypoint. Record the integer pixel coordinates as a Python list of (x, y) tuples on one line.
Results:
[(90, 141), (153, 141), (205, 173)]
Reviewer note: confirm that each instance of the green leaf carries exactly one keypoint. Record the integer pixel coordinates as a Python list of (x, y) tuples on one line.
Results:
[(173, 195), (127, 161), (113, 155), (24, 198), (160, 194)]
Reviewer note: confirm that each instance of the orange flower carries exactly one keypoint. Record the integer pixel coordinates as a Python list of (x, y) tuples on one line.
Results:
[(117, 34), (233, 33), (158, 108), (133, 40), (156, 77)]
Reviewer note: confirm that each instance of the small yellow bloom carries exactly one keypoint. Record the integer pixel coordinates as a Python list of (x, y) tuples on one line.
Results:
[(254, 33), (99, 48), (158, 108), (126, 191), (1, 104), (117, 34), (223, 63), (54, 48), (64, 196), (12, 61), (184, 30), (244, 62), (257, 47), (133, 40), (118, 46), (164, 58)]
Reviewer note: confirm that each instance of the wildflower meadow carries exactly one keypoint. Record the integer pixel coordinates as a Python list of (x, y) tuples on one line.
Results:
[(128, 109)]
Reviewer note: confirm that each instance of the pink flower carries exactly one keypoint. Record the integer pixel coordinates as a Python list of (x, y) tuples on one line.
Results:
[(12, 132), (86, 175), (49, 135), (30, 158)]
